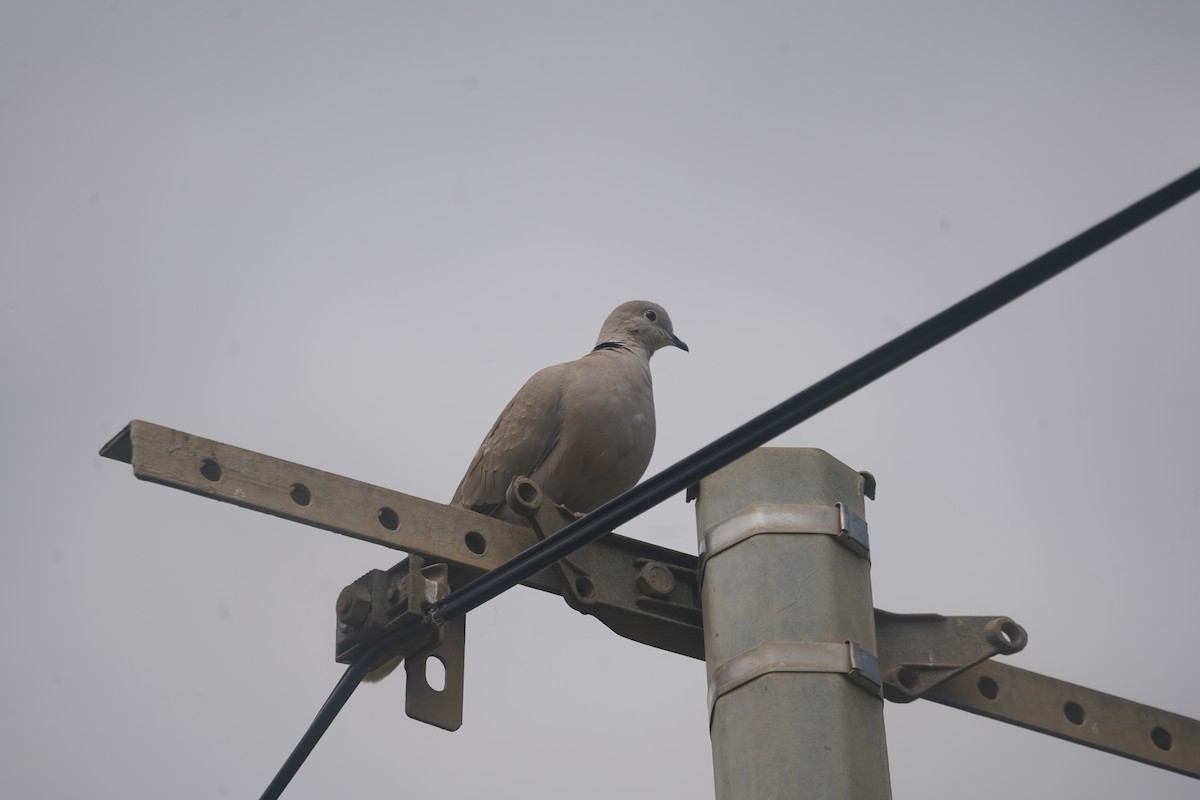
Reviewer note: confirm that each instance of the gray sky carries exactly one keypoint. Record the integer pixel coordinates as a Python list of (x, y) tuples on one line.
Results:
[(344, 234)]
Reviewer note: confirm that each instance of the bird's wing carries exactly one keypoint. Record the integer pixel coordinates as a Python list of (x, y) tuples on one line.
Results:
[(524, 435)]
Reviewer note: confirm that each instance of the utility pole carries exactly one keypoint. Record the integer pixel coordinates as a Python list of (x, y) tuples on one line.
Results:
[(795, 702)]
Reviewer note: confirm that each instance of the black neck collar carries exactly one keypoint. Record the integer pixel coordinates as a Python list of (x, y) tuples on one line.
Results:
[(609, 346)]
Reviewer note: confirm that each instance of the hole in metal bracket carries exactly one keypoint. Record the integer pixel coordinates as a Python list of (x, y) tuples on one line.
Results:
[(475, 542), (528, 492), (210, 469), (585, 587), (988, 688), (907, 678), (300, 494), (1073, 712), (1162, 738), (1007, 636), (388, 518), (435, 673)]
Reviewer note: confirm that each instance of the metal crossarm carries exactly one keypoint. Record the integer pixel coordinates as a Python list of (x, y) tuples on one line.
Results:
[(1077, 714), (649, 593), (615, 569)]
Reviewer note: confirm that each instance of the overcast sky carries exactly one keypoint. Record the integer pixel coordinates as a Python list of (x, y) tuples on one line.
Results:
[(345, 233)]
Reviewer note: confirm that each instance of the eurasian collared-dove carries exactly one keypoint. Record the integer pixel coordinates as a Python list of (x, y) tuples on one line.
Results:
[(583, 430)]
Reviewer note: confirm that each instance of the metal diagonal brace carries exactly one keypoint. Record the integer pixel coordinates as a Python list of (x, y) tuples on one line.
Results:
[(923, 650)]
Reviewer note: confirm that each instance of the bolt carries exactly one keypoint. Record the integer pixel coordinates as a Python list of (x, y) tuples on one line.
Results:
[(354, 604), (656, 579)]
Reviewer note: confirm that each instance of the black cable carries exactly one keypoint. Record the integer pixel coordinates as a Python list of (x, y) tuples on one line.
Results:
[(345, 687), (739, 442), (814, 399)]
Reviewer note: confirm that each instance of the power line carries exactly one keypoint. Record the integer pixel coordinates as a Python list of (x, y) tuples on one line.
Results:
[(737, 443), (345, 687), (816, 398)]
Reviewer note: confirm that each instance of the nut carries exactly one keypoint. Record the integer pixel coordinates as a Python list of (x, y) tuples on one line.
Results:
[(656, 579), (354, 604)]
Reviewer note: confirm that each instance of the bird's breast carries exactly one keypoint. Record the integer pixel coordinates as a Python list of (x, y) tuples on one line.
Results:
[(606, 441)]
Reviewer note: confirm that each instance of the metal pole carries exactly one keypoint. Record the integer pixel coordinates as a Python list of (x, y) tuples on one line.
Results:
[(789, 632)]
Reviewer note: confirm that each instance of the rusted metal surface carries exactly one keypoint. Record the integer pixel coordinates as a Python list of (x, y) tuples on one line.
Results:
[(1084, 716)]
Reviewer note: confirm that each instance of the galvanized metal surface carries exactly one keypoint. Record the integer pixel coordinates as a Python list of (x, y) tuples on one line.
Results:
[(383, 601), (1084, 716), (442, 707), (839, 658), (766, 518), (470, 543), (922, 650), (641, 591), (787, 720)]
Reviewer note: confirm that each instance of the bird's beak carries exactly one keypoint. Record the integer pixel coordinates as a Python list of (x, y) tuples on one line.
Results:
[(675, 340)]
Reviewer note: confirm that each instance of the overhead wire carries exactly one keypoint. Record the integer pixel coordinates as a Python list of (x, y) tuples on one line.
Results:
[(816, 398), (742, 440), (351, 678)]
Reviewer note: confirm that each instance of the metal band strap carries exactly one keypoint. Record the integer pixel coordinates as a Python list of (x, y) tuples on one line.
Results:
[(843, 658), (836, 520)]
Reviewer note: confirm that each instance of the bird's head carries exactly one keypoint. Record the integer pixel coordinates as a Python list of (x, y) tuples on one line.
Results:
[(641, 324)]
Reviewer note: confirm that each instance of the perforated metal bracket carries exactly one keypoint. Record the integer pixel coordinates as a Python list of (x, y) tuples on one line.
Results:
[(383, 601), (1075, 713), (837, 520), (641, 591), (442, 708), (843, 658)]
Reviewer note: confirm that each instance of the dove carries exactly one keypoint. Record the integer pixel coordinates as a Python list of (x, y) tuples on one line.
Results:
[(582, 430)]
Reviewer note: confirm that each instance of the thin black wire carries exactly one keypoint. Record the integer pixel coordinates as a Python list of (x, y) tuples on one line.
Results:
[(345, 687), (814, 399), (742, 440)]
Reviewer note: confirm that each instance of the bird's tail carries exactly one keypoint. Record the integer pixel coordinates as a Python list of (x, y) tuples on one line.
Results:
[(379, 673)]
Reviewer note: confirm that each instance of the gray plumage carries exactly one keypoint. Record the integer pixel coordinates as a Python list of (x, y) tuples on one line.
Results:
[(583, 430)]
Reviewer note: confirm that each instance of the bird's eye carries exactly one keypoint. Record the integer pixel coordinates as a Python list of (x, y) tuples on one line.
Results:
[(650, 315)]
